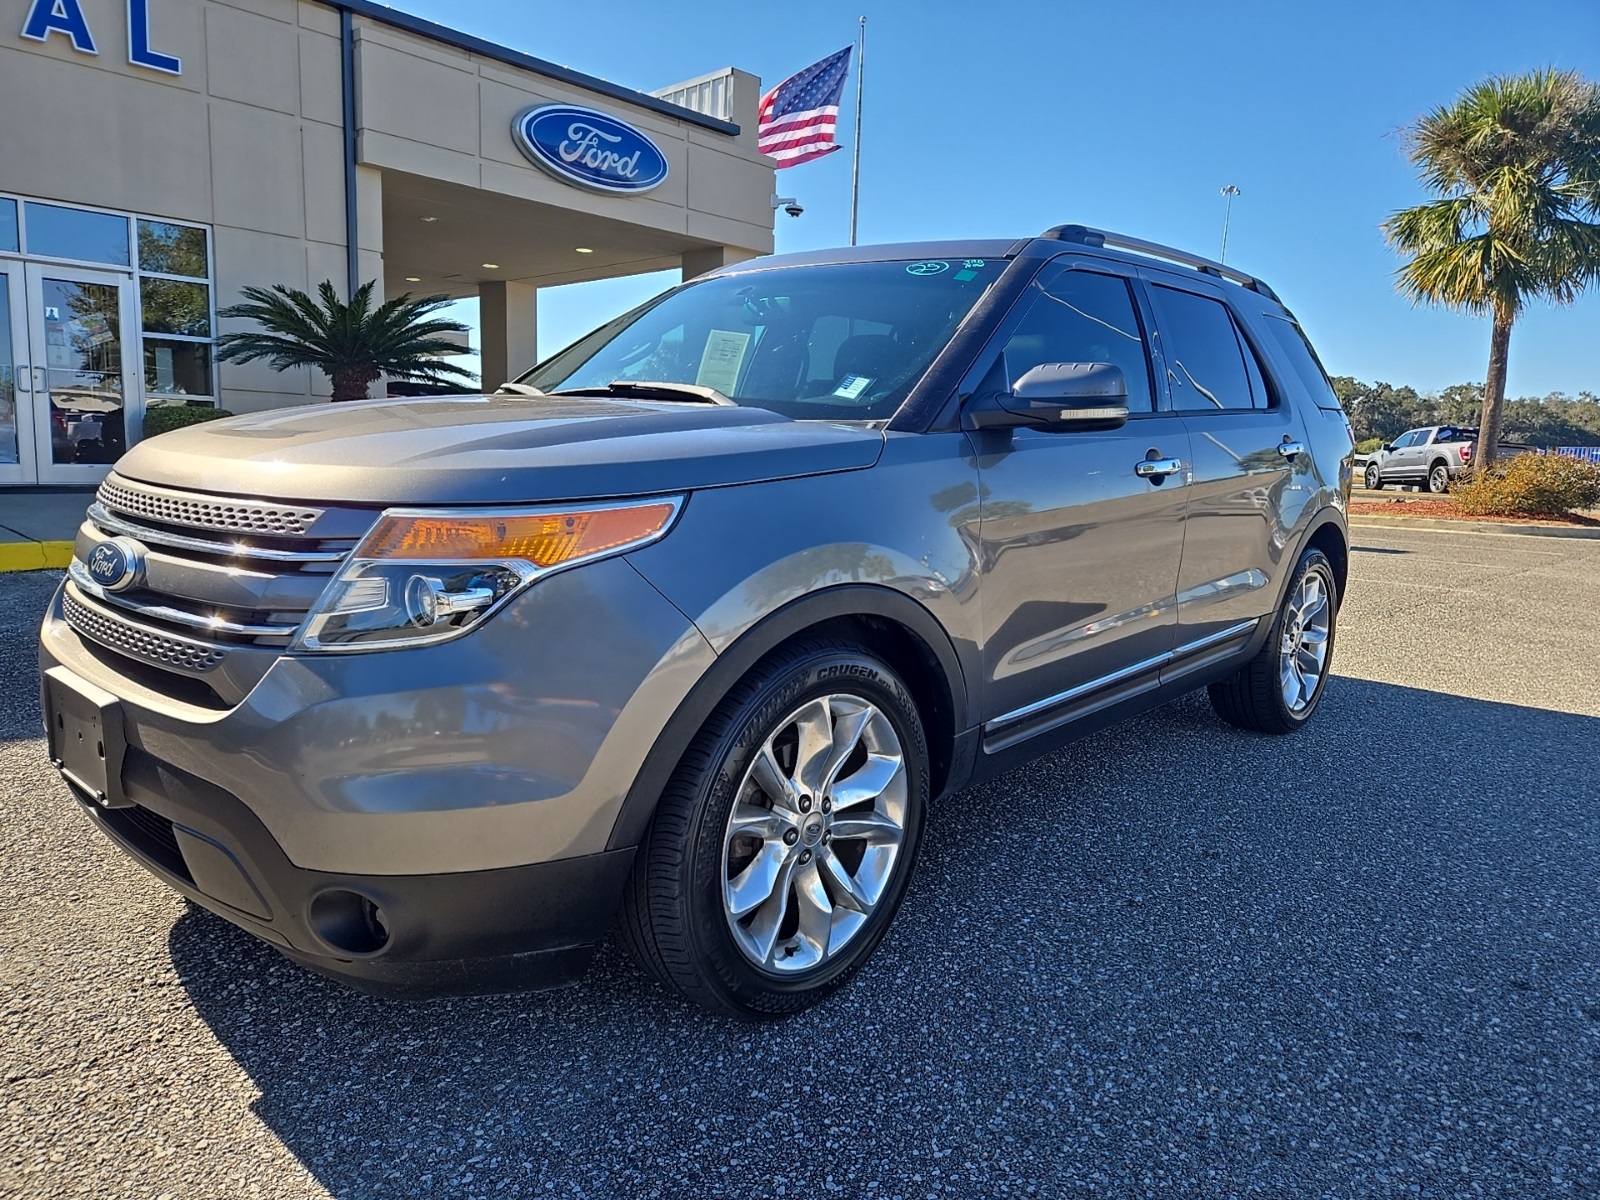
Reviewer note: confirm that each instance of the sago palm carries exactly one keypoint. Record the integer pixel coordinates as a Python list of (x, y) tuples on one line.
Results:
[(1515, 161), (351, 343)]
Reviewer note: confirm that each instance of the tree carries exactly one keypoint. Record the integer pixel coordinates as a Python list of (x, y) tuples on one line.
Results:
[(352, 344), (1515, 161)]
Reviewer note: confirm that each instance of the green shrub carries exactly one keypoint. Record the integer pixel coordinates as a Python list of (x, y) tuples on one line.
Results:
[(165, 417), (1530, 485), (1368, 445)]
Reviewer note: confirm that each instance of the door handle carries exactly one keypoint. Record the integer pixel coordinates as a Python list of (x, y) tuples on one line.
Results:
[(1148, 468), (1291, 449), (39, 379), (24, 378)]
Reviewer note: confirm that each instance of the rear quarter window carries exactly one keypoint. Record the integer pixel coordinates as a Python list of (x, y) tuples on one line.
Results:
[(1302, 359)]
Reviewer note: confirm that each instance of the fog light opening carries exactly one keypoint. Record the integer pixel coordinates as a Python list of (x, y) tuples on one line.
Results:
[(349, 922)]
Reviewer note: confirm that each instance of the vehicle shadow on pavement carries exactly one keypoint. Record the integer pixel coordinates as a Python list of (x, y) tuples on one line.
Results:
[(1175, 959)]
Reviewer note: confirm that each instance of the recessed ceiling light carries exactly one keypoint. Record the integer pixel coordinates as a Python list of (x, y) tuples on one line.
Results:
[(491, 266), (584, 250), (430, 220), (413, 278)]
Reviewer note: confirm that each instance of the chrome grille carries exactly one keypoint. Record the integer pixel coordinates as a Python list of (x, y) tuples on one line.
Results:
[(164, 650), (239, 516), (224, 583)]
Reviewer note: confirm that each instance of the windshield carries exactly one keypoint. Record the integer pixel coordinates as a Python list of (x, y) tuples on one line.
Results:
[(841, 341)]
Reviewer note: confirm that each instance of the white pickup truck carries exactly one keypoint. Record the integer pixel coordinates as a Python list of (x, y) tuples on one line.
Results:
[(1429, 457)]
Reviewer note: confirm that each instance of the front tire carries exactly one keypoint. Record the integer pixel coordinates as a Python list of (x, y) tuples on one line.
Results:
[(783, 843), (1278, 690), (1374, 478)]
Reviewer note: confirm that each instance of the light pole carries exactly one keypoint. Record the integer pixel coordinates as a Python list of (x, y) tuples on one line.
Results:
[(1230, 191)]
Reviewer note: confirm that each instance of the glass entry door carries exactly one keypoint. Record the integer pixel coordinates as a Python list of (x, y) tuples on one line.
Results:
[(84, 389), (16, 380)]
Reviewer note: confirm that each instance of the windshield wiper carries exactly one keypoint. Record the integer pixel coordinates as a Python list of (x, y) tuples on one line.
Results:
[(652, 390), (517, 389)]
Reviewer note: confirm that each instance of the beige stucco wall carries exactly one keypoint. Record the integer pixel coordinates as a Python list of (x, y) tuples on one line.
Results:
[(249, 141), (434, 110)]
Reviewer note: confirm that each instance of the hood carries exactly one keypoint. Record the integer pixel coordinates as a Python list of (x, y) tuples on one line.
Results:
[(494, 450)]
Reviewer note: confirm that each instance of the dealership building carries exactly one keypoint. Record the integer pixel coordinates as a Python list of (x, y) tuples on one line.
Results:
[(158, 155)]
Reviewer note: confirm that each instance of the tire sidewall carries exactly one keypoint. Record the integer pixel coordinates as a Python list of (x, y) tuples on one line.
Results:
[(1438, 491), (823, 672), (1374, 479), (1311, 560)]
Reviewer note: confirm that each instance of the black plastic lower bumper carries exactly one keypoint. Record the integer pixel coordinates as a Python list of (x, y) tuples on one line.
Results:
[(416, 936)]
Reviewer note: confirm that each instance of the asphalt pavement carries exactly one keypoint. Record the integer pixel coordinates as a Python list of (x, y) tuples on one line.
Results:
[(1174, 961)]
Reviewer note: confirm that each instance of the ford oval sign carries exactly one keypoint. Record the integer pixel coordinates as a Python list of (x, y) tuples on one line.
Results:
[(579, 145)]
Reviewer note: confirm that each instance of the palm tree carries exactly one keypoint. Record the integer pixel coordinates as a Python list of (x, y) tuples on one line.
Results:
[(1515, 161), (352, 344)]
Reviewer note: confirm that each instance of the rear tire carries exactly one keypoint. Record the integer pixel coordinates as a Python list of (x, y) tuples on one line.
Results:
[(784, 841), (1439, 479), (1276, 692), (1374, 478)]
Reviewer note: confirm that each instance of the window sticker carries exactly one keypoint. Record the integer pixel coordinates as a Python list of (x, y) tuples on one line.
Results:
[(721, 360), (851, 386), (931, 267)]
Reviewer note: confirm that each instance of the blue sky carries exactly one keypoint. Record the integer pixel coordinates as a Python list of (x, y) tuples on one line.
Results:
[(1006, 117)]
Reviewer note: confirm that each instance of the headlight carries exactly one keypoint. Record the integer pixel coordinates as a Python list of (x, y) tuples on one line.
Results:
[(425, 575)]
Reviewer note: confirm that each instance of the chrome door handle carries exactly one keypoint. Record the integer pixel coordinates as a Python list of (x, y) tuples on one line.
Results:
[(1291, 449), (24, 378), (1148, 467)]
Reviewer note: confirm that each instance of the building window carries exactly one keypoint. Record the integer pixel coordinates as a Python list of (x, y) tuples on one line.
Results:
[(78, 233), (175, 309), (8, 225)]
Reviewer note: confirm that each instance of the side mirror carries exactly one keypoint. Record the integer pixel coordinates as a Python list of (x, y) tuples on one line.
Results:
[(1083, 396), (1387, 448)]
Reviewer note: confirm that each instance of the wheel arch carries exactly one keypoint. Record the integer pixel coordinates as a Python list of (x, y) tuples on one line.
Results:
[(1329, 535), (883, 620)]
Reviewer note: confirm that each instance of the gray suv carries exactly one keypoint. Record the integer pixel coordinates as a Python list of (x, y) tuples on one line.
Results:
[(691, 629)]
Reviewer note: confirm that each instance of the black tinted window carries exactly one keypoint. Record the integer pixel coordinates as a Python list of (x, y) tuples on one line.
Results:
[(1078, 316), (1205, 364), (1303, 360)]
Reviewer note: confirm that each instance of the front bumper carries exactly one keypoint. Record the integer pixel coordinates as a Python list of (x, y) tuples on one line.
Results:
[(510, 929), (459, 798)]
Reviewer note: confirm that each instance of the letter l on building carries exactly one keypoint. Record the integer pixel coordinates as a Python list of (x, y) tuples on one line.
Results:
[(139, 52)]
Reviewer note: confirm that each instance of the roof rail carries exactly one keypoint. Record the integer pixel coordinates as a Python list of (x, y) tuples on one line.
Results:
[(1085, 236)]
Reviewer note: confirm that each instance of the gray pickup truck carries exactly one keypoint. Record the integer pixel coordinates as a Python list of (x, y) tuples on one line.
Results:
[(1429, 457)]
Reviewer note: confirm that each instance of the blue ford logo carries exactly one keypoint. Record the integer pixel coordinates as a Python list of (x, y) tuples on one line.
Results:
[(116, 564), (589, 148)]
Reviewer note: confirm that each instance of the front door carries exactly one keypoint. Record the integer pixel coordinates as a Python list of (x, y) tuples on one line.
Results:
[(16, 381), (1079, 553), (82, 385)]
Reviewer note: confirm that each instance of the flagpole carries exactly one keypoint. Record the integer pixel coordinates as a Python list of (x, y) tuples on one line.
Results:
[(855, 169)]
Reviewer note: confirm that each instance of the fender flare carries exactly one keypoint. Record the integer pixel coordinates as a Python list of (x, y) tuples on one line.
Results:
[(736, 660)]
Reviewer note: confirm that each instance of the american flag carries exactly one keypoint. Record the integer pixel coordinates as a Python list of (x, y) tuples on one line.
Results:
[(799, 116)]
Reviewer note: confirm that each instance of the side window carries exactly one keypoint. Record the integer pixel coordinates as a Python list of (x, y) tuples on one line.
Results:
[(1307, 368), (1205, 363), (1079, 316), (1407, 440)]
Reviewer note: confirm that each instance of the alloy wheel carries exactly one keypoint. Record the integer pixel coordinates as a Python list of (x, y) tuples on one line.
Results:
[(1303, 648), (815, 834)]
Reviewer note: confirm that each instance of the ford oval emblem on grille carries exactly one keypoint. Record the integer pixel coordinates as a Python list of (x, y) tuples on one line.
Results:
[(582, 146), (116, 564)]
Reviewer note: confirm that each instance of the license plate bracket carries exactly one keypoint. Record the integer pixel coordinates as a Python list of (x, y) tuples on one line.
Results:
[(87, 739)]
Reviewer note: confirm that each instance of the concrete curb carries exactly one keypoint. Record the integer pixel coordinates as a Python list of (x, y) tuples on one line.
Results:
[(1432, 524), (34, 556)]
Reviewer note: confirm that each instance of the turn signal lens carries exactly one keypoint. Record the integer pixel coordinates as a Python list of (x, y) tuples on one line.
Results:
[(543, 539)]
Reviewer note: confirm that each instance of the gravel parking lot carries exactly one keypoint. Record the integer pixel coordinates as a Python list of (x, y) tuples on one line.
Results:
[(1176, 961)]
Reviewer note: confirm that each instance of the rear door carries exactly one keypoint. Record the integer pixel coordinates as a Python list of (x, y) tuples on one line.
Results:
[(1079, 554), (1247, 489)]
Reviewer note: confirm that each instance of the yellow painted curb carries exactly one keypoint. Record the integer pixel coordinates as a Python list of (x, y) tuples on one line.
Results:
[(34, 556)]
